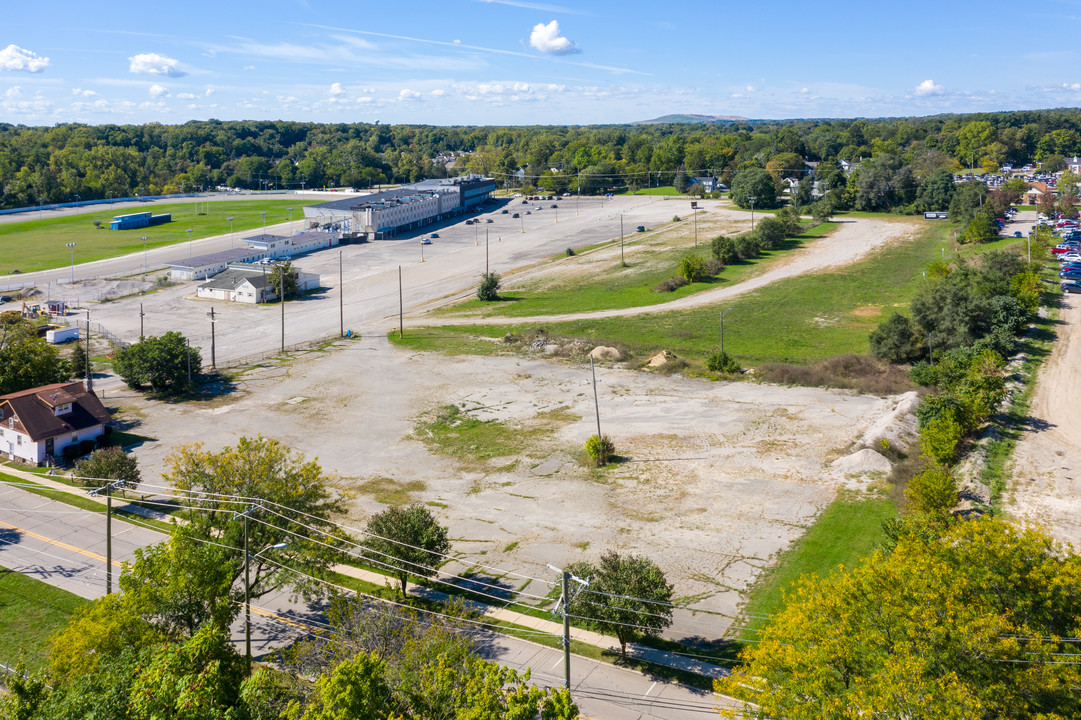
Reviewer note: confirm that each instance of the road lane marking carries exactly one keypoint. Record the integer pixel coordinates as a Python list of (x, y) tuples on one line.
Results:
[(60, 544)]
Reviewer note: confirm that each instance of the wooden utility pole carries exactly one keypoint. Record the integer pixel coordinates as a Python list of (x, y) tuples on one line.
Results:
[(213, 356), (341, 298), (401, 306)]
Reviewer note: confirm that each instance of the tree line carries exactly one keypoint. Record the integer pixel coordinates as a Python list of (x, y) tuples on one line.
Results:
[(56, 164)]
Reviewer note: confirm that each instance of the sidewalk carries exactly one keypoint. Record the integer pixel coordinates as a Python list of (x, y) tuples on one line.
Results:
[(638, 652)]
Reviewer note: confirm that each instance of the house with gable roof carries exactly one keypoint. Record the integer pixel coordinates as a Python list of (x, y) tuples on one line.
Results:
[(37, 424)]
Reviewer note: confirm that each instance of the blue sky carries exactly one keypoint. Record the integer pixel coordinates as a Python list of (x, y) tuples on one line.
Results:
[(520, 62)]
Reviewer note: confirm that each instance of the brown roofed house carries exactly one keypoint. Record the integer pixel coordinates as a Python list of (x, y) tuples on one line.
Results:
[(37, 424)]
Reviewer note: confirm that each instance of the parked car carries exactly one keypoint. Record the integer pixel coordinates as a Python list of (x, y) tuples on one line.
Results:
[(640, 228), (426, 241), (554, 205), (433, 236), (1071, 287), (504, 212), (516, 215), (527, 212), (1072, 274), (1017, 233), (468, 222), (1069, 257), (525, 202), (5, 298)]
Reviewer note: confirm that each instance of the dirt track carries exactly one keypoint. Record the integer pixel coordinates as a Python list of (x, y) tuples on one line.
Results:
[(1047, 462)]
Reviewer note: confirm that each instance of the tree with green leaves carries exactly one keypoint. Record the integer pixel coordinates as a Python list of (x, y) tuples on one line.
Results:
[(693, 268), (628, 596), (289, 499), (409, 542), (754, 182), (284, 272), (79, 367), (166, 363), (105, 465), (723, 249), (966, 625), (488, 290), (895, 340), (26, 360)]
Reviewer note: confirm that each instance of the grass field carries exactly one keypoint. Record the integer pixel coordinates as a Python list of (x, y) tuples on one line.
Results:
[(631, 286), (30, 613), (848, 529), (796, 320), (33, 245)]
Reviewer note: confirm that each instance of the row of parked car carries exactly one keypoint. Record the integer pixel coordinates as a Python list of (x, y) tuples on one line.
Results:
[(1068, 251)]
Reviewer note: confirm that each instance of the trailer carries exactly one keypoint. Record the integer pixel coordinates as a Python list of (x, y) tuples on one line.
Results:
[(62, 335)]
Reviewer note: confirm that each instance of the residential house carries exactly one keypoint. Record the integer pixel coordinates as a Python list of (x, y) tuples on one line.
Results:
[(37, 424), (709, 184), (1073, 164), (247, 284), (1036, 193)]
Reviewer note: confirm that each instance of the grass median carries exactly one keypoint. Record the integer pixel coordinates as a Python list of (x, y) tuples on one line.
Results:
[(31, 612)]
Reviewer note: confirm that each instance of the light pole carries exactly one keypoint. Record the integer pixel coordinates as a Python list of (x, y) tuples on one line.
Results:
[(230, 232), (694, 209), (281, 291), (752, 198), (76, 203), (722, 328), (248, 557), (290, 220), (263, 214), (89, 366), (71, 246), (40, 211), (622, 260), (189, 242)]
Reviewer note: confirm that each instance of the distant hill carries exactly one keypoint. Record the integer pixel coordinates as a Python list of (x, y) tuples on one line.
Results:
[(691, 119)]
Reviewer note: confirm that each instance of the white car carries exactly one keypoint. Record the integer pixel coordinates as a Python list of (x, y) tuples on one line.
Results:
[(1069, 257)]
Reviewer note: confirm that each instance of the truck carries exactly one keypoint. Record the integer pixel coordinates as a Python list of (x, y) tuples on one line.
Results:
[(61, 335)]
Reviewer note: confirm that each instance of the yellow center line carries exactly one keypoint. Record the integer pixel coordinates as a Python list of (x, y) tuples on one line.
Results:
[(57, 543)]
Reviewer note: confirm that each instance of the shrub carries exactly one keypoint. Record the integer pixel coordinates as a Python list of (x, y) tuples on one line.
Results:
[(488, 290), (932, 492), (570, 252), (723, 249), (675, 218), (923, 373), (770, 232), (934, 407), (721, 362), (895, 340), (692, 268), (747, 246), (670, 284), (107, 464), (600, 450), (940, 437), (714, 267)]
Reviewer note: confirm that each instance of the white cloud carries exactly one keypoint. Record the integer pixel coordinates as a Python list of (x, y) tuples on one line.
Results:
[(83, 93), (14, 57), (407, 94), (14, 92), (751, 89), (209, 91), (155, 64), (336, 89), (156, 91), (547, 39), (249, 68), (1072, 86), (438, 93), (929, 87), (186, 96)]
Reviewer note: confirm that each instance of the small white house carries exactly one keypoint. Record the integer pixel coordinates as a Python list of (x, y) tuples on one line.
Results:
[(37, 424), (247, 284)]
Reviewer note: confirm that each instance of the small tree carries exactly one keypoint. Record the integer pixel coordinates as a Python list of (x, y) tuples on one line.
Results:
[(284, 271), (770, 232), (600, 449), (163, 362), (106, 464), (406, 541), (78, 360), (627, 596), (723, 249), (895, 340), (692, 268), (722, 362), (488, 290), (932, 492)]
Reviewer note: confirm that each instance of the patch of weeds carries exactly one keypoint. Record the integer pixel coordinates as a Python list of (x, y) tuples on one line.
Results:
[(510, 546), (389, 491)]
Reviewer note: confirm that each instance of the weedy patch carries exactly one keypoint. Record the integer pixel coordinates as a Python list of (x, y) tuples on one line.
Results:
[(389, 491)]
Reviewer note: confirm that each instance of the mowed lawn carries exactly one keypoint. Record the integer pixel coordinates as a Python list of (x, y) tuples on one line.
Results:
[(618, 286), (41, 244), (30, 612), (800, 319)]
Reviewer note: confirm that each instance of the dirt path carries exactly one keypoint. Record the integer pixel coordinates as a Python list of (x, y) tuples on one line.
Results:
[(1047, 462), (854, 240)]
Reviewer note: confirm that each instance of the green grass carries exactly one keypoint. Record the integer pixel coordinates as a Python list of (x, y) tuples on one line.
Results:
[(800, 319), (34, 244), (473, 442), (30, 613), (662, 190), (848, 529), (631, 286), (85, 503)]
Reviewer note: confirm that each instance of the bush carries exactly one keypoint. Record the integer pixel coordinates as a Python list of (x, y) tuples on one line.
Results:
[(570, 252), (488, 290), (895, 340), (714, 267), (670, 284), (107, 464), (723, 249), (747, 246), (721, 362), (932, 492), (600, 450), (675, 218), (692, 268), (770, 232), (940, 437), (934, 407), (160, 361), (923, 373)]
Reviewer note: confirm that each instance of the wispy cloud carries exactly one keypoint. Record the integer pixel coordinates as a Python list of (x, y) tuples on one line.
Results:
[(542, 7)]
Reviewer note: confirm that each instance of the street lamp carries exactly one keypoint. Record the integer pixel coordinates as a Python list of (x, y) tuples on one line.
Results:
[(694, 209), (290, 220), (263, 214), (40, 211), (230, 232), (144, 258), (89, 365), (76, 203), (247, 585), (71, 246), (189, 241), (752, 198)]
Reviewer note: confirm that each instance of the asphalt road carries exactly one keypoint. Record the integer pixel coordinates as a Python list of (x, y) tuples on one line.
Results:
[(367, 298), (65, 547)]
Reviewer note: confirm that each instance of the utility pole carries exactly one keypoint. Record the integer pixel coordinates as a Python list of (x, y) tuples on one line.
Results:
[(230, 232), (341, 298), (694, 209), (622, 259), (213, 358), (281, 290), (401, 306), (141, 321), (596, 402), (89, 365), (188, 343), (108, 490), (485, 251), (562, 608), (752, 198)]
